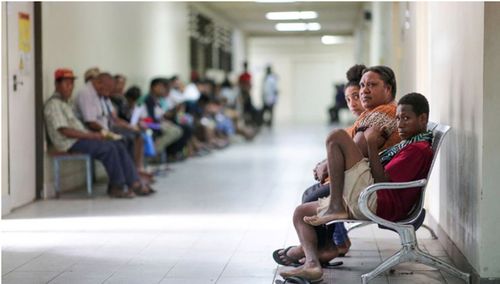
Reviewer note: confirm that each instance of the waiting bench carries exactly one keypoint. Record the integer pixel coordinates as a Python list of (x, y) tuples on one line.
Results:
[(58, 157), (406, 228)]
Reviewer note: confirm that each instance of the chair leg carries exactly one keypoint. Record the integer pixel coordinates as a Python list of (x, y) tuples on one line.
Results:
[(88, 165), (359, 226), (94, 175), (433, 235), (56, 178), (432, 261), (384, 266)]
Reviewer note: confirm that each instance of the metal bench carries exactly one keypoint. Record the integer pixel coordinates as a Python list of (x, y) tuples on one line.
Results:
[(58, 157), (406, 228)]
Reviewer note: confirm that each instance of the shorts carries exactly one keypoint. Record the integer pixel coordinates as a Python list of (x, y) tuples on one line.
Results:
[(356, 179)]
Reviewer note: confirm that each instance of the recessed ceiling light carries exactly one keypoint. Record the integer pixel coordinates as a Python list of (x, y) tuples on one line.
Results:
[(293, 15), (331, 39), (297, 27)]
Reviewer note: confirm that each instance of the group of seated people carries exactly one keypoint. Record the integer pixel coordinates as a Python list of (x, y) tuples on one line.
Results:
[(388, 142), (121, 127)]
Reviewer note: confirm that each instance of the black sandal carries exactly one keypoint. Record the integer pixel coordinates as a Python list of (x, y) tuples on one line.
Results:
[(292, 262), (296, 262), (297, 280)]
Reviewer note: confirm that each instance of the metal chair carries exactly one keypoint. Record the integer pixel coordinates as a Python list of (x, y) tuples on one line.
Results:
[(406, 228)]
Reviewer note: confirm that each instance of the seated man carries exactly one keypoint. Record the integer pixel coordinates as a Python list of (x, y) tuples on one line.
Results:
[(67, 133), (351, 173), (169, 133), (95, 109)]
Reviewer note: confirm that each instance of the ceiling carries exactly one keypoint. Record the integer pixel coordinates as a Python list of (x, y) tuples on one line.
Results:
[(337, 18)]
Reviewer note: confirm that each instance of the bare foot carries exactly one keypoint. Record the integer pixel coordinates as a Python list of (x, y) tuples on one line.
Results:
[(310, 273), (325, 255), (324, 218)]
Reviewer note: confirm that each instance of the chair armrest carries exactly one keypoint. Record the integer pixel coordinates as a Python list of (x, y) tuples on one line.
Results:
[(367, 192)]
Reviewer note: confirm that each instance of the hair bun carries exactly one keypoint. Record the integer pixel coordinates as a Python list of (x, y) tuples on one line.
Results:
[(355, 73)]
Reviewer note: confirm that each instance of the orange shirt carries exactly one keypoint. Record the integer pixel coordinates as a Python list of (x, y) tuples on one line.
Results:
[(383, 116)]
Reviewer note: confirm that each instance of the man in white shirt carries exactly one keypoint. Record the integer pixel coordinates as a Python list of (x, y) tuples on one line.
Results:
[(270, 96)]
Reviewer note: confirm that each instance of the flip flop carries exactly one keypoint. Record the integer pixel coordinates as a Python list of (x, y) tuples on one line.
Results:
[(293, 280), (296, 263), (277, 258), (297, 280)]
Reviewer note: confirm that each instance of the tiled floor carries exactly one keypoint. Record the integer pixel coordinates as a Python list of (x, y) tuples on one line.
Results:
[(215, 219)]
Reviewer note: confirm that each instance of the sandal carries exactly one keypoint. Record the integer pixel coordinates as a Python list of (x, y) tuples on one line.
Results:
[(292, 262), (121, 194), (296, 262), (293, 280), (310, 275), (140, 191), (150, 189)]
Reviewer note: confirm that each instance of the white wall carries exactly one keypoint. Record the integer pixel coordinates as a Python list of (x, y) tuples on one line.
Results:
[(362, 35), (4, 109), (381, 50), (490, 194), (239, 52), (139, 40), (455, 81), (307, 70), (451, 53)]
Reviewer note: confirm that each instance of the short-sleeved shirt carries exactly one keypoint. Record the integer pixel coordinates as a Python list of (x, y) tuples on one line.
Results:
[(153, 107), (90, 107), (58, 114), (411, 163)]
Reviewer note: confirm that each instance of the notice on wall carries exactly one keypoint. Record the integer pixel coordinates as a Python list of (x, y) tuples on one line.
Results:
[(24, 33)]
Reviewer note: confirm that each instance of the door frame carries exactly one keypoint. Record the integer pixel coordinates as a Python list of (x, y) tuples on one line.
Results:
[(39, 126)]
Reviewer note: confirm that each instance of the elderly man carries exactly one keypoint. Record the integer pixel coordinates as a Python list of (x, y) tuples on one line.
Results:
[(67, 133), (94, 108)]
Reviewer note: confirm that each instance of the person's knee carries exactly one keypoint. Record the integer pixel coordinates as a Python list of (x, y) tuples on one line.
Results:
[(336, 136), (300, 212), (176, 131)]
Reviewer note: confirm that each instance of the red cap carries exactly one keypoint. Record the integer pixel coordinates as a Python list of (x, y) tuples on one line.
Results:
[(63, 73)]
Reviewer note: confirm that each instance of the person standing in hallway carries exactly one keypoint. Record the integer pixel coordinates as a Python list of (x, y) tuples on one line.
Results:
[(269, 96), (67, 133), (251, 114)]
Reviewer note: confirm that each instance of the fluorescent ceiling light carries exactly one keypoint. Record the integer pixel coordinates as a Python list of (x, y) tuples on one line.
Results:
[(294, 15), (313, 26), (297, 27), (330, 39)]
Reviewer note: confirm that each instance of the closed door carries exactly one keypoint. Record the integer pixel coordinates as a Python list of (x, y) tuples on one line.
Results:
[(21, 105)]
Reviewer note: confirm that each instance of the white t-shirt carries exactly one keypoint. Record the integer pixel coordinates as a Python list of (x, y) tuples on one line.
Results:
[(138, 113), (191, 93)]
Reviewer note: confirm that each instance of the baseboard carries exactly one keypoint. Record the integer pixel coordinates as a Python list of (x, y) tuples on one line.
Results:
[(455, 254)]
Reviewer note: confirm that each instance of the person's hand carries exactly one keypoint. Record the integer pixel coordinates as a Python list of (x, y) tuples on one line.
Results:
[(373, 136), (321, 171), (96, 135), (136, 129), (142, 125)]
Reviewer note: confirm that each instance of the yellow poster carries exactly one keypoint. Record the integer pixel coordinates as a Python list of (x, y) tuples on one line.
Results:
[(24, 33)]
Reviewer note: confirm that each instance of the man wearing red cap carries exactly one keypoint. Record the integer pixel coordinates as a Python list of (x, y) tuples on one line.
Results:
[(67, 133)]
